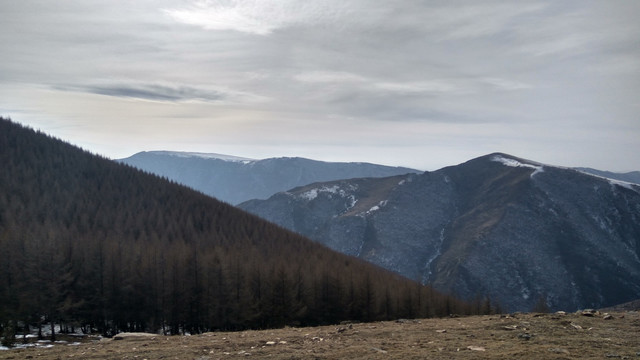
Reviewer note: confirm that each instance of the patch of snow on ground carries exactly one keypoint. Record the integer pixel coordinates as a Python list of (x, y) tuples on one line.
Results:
[(352, 201), (377, 207), (624, 184), (37, 345), (334, 189), (310, 195), (516, 163)]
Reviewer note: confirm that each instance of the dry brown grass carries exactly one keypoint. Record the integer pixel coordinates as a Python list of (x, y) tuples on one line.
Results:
[(516, 336)]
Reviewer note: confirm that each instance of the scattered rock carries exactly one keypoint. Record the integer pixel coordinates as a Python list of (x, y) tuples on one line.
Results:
[(511, 327), (270, 343), (476, 348), (349, 322), (576, 326), (525, 336), (559, 351), (589, 312), (441, 331), (379, 350), (607, 316), (561, 313), (612, 355)]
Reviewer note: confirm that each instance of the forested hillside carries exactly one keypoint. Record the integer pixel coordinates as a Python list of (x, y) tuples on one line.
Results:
[(98, 245)]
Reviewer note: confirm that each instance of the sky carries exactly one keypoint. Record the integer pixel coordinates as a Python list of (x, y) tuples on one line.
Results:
[(418, 83)]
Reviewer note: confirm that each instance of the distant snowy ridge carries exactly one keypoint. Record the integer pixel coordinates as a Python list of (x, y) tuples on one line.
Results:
[(540, 168), (236, 179), (624, 184), (184, 154)]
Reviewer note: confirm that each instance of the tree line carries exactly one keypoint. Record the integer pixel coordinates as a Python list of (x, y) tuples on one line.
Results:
[(99, 246)]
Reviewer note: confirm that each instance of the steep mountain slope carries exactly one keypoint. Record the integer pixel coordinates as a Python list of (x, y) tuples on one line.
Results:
[(514, 229), (91, 243), (235, 180)]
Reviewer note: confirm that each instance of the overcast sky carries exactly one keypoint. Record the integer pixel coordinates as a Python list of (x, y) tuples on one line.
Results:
[(415, 83)]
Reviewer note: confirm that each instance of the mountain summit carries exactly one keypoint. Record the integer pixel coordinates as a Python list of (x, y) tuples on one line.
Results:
[(514, 229), (234, 179)]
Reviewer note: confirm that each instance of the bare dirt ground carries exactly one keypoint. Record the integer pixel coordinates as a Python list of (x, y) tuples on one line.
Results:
[(515, 336)]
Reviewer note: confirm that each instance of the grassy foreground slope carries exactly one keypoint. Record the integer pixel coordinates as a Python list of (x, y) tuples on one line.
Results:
[(515, 336)]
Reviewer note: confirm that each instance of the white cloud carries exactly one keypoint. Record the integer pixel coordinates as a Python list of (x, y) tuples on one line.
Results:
[(477, 19), (505, 84), (432, 86), (260, 17), (329, 77)]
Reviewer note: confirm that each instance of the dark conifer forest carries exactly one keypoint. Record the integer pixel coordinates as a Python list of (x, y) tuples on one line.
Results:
[(99, 246)]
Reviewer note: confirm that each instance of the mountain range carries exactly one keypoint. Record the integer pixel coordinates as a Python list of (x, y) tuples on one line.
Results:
[(516, 230), (234, 179)]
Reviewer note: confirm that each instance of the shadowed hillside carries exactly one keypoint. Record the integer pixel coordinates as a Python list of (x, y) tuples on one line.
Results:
[(98, 245), (521, 232)]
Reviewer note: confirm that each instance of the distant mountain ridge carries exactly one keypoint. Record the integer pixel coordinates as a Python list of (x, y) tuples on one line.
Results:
[(514, 229), (235, 179)]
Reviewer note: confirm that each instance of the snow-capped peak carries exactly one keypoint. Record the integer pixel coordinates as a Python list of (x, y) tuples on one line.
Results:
[(184, 154), (515, 163)]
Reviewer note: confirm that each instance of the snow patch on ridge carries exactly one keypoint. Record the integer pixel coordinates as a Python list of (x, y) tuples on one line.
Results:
[(613, 182), (515, 163), (624, 184), (200, 155)]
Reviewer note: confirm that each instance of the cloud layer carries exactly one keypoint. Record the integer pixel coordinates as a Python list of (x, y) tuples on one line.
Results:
[(416, 83)]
